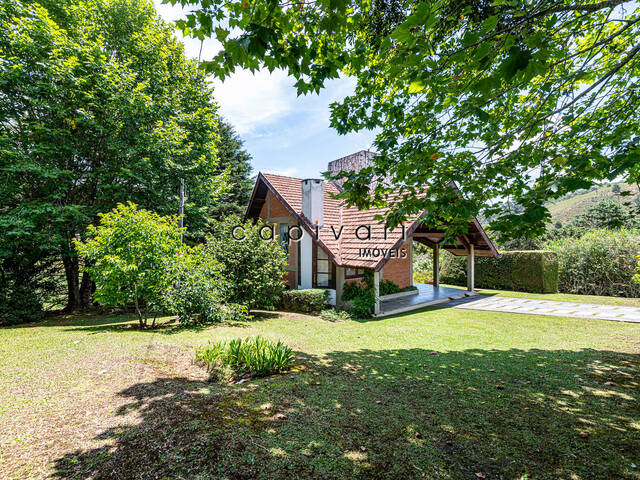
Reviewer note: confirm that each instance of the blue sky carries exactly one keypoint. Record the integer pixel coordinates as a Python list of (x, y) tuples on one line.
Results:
[(284, 133)]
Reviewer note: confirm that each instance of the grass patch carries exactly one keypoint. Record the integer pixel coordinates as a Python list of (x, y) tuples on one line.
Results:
[(436, 394)]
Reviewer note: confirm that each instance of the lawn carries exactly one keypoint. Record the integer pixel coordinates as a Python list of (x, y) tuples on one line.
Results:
[(437, 394)]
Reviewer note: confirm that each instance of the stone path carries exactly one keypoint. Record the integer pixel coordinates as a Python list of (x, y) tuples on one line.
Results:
[(547, 307)]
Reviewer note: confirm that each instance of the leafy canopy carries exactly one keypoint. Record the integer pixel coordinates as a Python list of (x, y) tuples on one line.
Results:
[(512, 100), (98, 105)]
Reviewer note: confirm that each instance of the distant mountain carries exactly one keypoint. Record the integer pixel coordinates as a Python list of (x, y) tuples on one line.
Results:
[(568, 207)]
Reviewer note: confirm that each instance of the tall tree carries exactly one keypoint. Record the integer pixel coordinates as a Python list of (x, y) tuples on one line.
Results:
[(236, 161), (99, 106), (511, 99)]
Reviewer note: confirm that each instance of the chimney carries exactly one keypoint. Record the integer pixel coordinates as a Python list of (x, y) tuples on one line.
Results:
[(313, 200), (351, 163)]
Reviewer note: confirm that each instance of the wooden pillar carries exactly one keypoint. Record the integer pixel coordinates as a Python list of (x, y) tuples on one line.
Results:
[(339, 286), (471, 268), (436, 265), (376, 287)]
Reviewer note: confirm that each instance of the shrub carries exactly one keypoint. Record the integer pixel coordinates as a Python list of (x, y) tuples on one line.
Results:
[(388, 287), (601, 262), (257, 357), (305, 301), (253, 267), (199, 292), (129, 257), (19, 305), (423, 263), (525, 271), (334, 315), (421, 277), (361, 295), (352, 289), (364, 304)]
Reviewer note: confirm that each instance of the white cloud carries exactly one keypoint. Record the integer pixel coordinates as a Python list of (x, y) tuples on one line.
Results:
[(285, 172), (250, 100)]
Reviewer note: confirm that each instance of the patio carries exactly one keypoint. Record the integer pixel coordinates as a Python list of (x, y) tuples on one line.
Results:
[(427, 295)]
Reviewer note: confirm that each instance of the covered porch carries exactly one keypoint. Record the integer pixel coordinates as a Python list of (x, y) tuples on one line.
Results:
[(427, 295), (474, 243)]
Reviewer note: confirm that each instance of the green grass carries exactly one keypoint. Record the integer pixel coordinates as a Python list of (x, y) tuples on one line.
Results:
[(437, 394)]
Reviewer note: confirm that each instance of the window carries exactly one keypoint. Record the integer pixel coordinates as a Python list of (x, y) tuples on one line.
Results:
[(323, 268), (284, 238), (353, 272)]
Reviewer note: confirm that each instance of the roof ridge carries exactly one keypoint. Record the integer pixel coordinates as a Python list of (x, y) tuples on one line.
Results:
[(282, 176)]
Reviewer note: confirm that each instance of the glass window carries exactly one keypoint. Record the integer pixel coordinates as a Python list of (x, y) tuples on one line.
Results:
[(353, 272), (284, 238), (323, 268)]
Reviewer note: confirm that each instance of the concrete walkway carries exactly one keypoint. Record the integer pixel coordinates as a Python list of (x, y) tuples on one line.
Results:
[(547, 307)]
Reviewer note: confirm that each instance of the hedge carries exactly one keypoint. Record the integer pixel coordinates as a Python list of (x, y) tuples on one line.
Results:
[(305, 301), (525, 271), (601, 262)]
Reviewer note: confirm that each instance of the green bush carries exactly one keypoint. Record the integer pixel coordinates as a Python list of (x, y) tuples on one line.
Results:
[(364, 304), (525, 271), (199, 292), (305, 301), (334, 315), (352, 289), (130, 257), (253, 267), (256, 357), (601, 262), (388, 287), (19, 305), (421, 277)]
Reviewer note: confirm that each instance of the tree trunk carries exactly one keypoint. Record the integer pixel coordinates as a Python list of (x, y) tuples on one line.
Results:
[(72, 274), (87, 288), (79, 293)]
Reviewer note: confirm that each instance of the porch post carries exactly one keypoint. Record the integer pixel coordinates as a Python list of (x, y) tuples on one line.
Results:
[(410, 244), (376, 290), (471, 273), (339, 285), (436, 265)]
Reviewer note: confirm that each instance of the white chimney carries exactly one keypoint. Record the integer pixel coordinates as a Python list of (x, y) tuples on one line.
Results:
[(312, 208), (313, 200)]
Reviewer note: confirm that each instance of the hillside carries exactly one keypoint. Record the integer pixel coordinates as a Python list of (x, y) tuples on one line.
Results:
[(566, 209)]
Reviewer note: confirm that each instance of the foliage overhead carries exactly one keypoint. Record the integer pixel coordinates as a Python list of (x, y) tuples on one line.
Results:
[(516, 100)]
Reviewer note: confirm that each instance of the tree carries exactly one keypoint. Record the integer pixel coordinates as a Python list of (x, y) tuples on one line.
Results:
[(607, 214), (99, 106), (237, 163), (509, 99), (252, 263), (131, 255)]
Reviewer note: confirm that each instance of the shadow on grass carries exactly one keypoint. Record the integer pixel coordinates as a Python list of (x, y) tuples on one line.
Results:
[(386, 414)]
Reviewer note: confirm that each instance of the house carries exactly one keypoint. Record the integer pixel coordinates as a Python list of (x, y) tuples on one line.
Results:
[(329, 244)]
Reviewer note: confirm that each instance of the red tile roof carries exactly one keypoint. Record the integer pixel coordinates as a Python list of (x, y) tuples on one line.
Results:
[(346, 251)]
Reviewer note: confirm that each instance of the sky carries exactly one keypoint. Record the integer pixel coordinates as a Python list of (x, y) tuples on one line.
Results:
[(285, 134)]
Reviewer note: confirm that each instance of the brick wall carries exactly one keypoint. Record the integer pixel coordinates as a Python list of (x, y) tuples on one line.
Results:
[(277, 209), (398, 270)]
